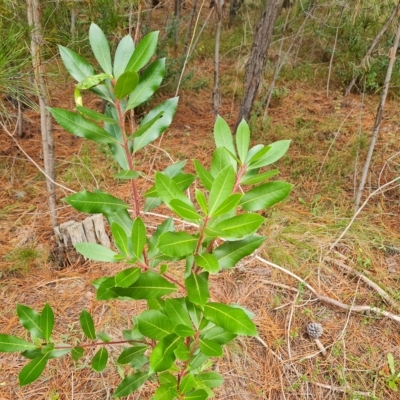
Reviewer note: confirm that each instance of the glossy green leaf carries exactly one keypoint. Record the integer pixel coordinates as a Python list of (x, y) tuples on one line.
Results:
[(154, 324), (130, 354), (80, 126), (127, 277), (239, 226), (156, 304), (228, 204), (184, 331), (165, 393), (210, 348), (197, 288), (149, 82), (77, 353), (199, 394), (229, 254), (231, 319), (184, 210), (177, 312), (166, 226), (95, 203), (122, 218), (91, 81), (206, 178), (120, 238), (100, 359), (163, 356), (138, 237), (87, 325), (218, 335), (182, 352), (243, 140), (104, 92), (143, 52), (258, 178), (10, 344), (104, 337), (208, 262), (221, 189), (265, 196), (275, 152), (32, 370), (123, 53), (56, 353), (150, 285), (223, 137), (202, 201), (220, 160), (194, 312), (130, 384), (30, 320), (177, 244), (100, 48), (186, 384), (126, 84), (167, 109), (77, 67), (95, 251), (143, 128), (126, 175), (210, 379), (47, 321), (167, 379), (197, 361), (106, 290), (168, 190), (96, 116)]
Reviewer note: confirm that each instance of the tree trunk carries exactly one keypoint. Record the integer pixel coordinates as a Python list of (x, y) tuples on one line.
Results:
[(379, 114), (33, 14), (255, 65), (216, 92)]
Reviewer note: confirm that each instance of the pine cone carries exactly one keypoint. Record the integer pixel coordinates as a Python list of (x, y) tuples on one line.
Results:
[(315, 330)]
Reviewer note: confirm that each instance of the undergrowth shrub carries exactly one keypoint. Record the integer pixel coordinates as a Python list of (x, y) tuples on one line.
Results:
[(175, 340)]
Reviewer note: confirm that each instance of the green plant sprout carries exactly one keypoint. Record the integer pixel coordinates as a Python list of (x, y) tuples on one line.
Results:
[(394, 378), (174, 341)]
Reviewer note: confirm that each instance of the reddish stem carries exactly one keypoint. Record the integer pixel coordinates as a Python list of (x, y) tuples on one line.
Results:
[(101, 343)]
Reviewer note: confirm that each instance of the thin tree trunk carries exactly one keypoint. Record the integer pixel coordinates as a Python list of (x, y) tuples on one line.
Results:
[(189, 30), (216, 92), (177, 15), (33, 14), (367, 56), (379, 114), (255, 65)]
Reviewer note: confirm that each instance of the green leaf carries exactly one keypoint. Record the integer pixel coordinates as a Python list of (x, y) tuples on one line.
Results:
[(233, 320), (186, 384), (201, 201), (87, 324), (124, 52), (32, 370), (138, 237), (177, 244), (243, 140), (197, 288), (184, 210), (100, 48), (239, 226), (184, 331), (182, 352), (56, 353), (127, 277), (265, 196), (10, 344), (258, 178), (95, 203), (77, 353), (221, 189), (165, 393), (194, 312), (143, 52), (30, 320), (207, 262), (143, 128), (129, 174), (218, 335), (167, 379), (77, 67), (100, 359), (130, 384), (220, 160), (229, 254), (149, 82), (269, 154), (80, 126), (210, 348), (228, 204), (126, 84), (104, 337), (210, 379), (205, 177), (120, 238), (89, 83), (130, 354), (154, 324), (168, 190), (168, 109), (95, 251), (47, 321), (104, 92), (197, 395), (106, 290), (122, 218), (163, 356), (150, 285), (177, 312), (223, 137), (96, 116)]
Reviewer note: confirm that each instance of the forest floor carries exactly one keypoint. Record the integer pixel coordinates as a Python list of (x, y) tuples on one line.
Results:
[(285, 363)]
